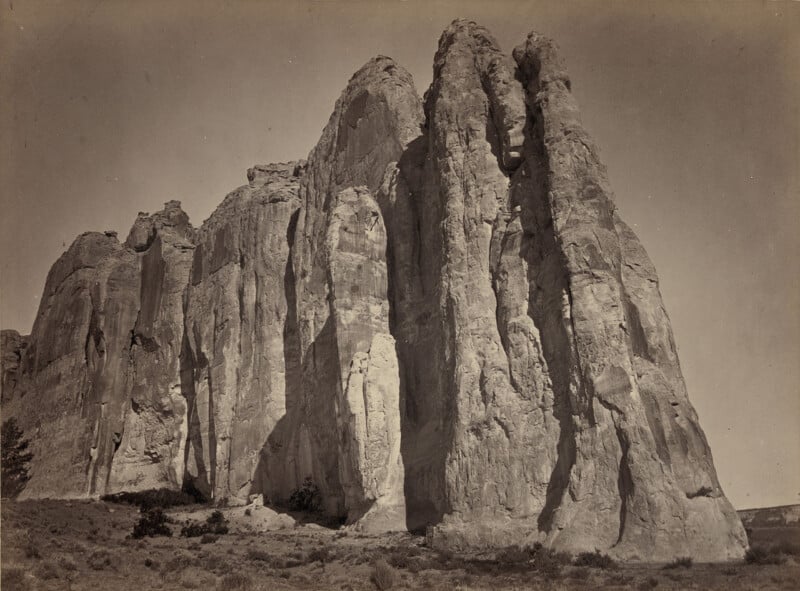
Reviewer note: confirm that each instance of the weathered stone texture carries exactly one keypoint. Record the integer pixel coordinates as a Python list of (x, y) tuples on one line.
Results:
[(376, 117), (71, 390), (235, 369), (12, 346), (150, 453)]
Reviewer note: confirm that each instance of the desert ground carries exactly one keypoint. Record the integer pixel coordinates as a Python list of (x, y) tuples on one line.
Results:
[(76, 545)]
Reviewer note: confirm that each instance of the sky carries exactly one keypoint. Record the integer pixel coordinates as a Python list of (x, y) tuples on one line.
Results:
[(108, 108)]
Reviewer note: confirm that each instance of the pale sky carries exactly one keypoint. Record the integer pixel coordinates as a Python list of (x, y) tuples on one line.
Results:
[(108, 108)]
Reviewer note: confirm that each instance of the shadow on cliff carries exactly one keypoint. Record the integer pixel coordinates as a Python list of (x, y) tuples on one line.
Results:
[(287, 459)]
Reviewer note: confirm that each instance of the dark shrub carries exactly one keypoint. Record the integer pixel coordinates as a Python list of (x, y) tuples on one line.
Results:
[(649, 583), (258, 555), (306, 498), (595, 560), (382, 575), (764, 555), (31, 548), (235, 582), (162, 498), (209, 538), (14, 578), (215, 524), (100, 560), (319, 555), (514, 555), (548, 561), (14, 458), (152, 523), (682, 562)]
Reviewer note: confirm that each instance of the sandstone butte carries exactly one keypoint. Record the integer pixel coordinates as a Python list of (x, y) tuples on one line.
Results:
[(439, 318)]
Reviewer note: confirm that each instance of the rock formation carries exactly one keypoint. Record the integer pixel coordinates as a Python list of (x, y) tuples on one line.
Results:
[(12, 345), (440, 320), (236, 370)]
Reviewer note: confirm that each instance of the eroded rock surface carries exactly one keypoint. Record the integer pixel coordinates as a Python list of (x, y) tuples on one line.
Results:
[(12, 345), (236, 369), (440, 320)]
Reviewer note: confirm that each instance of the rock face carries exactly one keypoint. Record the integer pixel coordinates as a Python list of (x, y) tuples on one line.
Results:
[(440, 320), (153, 435), (235, 368), (12, 345)]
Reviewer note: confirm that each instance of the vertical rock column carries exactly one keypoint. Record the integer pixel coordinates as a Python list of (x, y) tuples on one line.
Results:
[(236, 369), (150, 447), (374, 120), (368, 403), (496, 428), (668, 500)]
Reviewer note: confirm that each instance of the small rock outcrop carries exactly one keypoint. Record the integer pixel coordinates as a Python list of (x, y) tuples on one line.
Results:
[(439, 321), (12, 346)]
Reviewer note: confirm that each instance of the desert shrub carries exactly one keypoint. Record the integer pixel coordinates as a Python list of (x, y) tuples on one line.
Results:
[(620, 579), (235, 582), (209, 538), (681, 562), (47, 571), (258, 555), (30, 547), (595, 560), (382, 575), (151, 523), (647, 584), (403, 556), (99, 560), (306, 498), (764, 555), (162, 498), (514, 555), (67, 563), (319, 555), (215, 524), (14, 578), (787, 548), (548, 561), (14, 459), (582, 573)]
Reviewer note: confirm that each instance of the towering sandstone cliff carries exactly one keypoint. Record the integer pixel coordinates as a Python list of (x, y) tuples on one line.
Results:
[(439, 318)]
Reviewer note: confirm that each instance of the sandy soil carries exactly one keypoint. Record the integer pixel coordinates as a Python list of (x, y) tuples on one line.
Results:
[(58, 545)]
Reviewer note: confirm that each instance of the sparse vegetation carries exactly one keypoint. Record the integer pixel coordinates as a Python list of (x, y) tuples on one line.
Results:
[(215, 525), (306, 498), (760, 554), (648, 583), (235, 582), (153, 522), (99, 560), (383, 575), (14, 457), (595, 559), (681, 562), (162, 498), (14, 578), (314, 558)]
